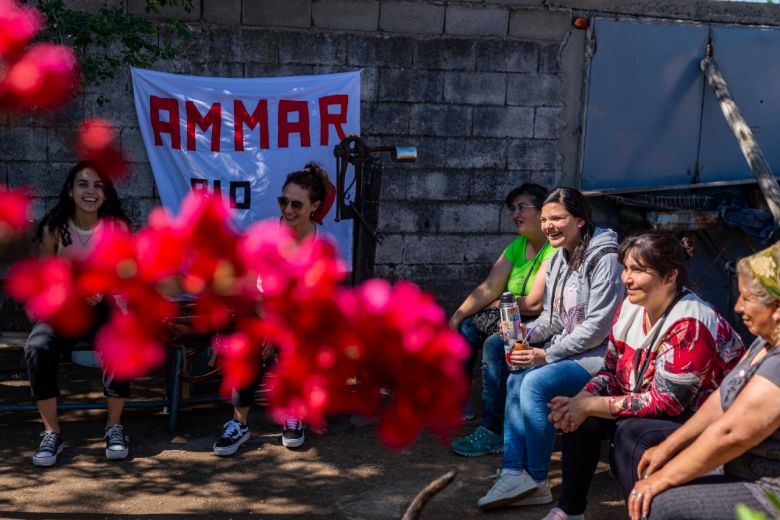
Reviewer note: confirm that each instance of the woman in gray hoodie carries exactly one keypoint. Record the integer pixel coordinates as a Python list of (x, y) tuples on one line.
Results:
[(582, 292)]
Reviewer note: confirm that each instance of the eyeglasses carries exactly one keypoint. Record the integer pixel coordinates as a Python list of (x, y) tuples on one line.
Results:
[(518, 207), (284, 201)]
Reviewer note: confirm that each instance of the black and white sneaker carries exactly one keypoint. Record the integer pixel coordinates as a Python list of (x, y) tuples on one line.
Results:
[(116, 443), (48, 449), (292, 435), (234, 434)]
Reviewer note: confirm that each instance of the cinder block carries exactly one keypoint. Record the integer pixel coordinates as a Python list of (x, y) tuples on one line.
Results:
[(439, 185), (381, 51), (44, 178), (504, 121), (60, 143), (533, 90), (395, 183), (548, 58), (410, 85), (429, 249), (431, 152), (140, 182), (227, 12), (483, 88), (23, 144), (133, 145), (346, 15), (539, 24), (475, 153), (276, 13), (400, 217), (369, 84), (172, 12), (311, 48), (469, 218), (484, 248), (481, 20), (440, 120), (445, 54), (387, 118), (535, 154), (391, 250), (411, 17), (492, 186), (215, 44), (549, 123), (119, 107), (507, 56)]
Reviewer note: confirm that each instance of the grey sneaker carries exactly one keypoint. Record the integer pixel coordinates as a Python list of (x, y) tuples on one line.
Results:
[(542, 495), (48, 449), (234, 434), (556, 513), (116, 443), (507, 489), (293, 435), (479, 443)]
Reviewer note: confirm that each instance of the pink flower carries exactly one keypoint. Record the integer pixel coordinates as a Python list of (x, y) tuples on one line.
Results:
[(98, 144), (14, 214), (18, 25), (127, 349), (46, 76)]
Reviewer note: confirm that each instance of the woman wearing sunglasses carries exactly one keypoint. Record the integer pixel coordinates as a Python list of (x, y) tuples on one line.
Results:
[(307, 195)]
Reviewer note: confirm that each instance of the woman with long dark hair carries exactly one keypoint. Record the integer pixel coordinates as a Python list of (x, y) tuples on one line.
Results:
[(668, 351), (568, 339), (87, 202)]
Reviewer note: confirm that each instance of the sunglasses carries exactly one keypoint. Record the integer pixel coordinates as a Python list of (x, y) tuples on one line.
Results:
[(518, 207), (284, 201)]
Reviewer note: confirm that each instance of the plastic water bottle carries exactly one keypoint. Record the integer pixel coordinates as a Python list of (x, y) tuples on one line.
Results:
[(509, 313)]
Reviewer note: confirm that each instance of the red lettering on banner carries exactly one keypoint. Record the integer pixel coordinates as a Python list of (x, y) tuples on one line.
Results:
[(241, 117), (337, 119), (287, 127), (171, 126), (212, 119)]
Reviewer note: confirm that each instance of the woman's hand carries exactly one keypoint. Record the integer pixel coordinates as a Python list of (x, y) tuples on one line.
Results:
[(454, 323), (652, 460), (641, 497), (532, 357), (568, 413)]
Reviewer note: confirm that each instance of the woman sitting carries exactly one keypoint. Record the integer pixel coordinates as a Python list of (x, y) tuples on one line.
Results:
[(737, 427), (520, 270), (667, 352), (582, 292)]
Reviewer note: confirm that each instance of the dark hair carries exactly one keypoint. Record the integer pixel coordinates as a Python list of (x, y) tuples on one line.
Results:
[(57, 217), (535, 191), (660, 251), (312, 178), (574, 202)]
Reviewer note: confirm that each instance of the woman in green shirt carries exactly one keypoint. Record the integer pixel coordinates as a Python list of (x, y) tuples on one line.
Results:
[(520, 270)]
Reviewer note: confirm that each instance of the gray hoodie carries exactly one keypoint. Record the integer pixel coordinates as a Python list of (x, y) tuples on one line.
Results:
[(591, 299)]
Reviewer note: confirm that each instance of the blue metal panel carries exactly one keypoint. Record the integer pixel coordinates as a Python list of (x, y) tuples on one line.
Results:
[(643, 105), (749, 59)]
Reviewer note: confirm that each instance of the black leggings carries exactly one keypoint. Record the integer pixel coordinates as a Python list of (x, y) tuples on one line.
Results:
[(44, 349), (581, 451)]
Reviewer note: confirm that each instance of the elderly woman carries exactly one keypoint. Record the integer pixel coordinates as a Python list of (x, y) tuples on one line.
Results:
[(668, 351), (737, 427)]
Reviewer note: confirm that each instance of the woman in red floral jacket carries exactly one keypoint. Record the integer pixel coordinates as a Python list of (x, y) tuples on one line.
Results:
[(668, 350)]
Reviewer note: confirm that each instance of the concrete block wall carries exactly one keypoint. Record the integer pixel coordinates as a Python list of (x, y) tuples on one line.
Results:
[(488, 91)]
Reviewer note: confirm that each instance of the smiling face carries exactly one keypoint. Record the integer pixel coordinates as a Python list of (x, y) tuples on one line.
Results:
[(87, 191), (561, 227), (646, 286), (758, 317), (296, 206), (524, 214)]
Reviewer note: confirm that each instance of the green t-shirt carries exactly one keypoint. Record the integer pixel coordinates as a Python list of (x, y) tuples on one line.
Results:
[(520, 282)]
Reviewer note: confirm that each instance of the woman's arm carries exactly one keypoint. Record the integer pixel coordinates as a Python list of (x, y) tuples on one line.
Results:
[(485, 293), (752, 417), (49, 241), (531, 303)]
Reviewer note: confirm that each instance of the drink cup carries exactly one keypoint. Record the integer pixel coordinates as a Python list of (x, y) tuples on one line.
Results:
[(515, 345)]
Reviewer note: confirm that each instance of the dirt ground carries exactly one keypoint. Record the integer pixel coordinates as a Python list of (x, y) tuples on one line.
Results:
[(341, 473)]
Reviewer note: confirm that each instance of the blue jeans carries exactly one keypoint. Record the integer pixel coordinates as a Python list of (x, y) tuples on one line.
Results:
[(469, 332), (528, 435), (494, 375)]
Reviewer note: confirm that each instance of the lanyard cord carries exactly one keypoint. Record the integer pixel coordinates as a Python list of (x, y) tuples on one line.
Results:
[(640, 372)]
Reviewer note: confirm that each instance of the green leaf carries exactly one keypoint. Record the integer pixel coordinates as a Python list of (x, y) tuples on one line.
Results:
[(743, 512), (774, 499)]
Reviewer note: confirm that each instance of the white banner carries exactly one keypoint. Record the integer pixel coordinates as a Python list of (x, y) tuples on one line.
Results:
[(242, 136)]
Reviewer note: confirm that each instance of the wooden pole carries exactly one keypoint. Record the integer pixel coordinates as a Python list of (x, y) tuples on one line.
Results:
[(747, 143), (422, 498)]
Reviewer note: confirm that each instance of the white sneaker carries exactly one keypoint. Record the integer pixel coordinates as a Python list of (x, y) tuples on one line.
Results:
[(542, 495), (556, 513), (507, 489)]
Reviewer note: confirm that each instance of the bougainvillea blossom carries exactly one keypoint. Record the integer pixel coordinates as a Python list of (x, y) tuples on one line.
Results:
[(18, 25), (98, 144), (14, 214), (44, 77)]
